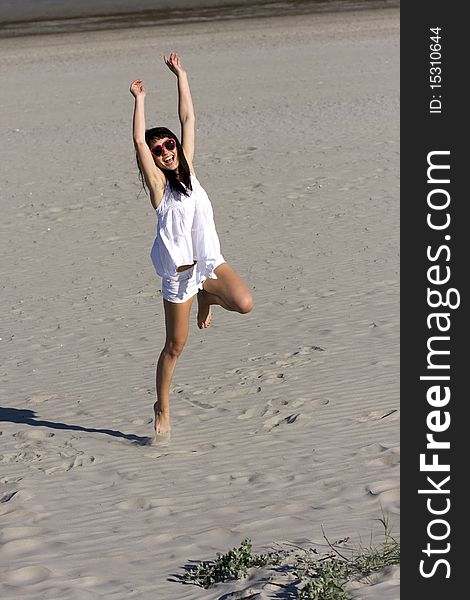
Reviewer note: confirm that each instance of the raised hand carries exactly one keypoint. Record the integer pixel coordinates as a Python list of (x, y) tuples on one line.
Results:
[(137, 88), (173, 62)]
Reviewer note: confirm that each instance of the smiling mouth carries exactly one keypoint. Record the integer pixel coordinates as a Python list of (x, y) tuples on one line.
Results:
[(169, 159)]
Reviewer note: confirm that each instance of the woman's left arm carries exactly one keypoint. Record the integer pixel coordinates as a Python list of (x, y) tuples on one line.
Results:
[(185, 106)]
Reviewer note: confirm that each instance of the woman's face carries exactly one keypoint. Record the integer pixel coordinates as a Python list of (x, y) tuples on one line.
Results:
[(168, 158)]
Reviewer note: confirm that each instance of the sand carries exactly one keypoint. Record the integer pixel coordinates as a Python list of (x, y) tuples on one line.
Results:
[(284, 420)]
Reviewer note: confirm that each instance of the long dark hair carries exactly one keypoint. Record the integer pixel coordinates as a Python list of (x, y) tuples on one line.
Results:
[(177, 177)]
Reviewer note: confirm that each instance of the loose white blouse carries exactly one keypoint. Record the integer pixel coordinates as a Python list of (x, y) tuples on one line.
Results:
[(185, 233)]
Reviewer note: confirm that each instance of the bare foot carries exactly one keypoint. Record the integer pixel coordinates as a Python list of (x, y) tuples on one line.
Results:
[(204, 314), (162, 421)]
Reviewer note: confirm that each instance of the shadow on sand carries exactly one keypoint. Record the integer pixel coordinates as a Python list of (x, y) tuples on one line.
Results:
[(28, 417), (286, 591)]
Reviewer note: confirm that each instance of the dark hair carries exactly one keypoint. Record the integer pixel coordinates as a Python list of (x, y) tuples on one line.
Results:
[(177, 177)]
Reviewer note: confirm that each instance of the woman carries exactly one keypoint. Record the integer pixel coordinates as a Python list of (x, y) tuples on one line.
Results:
[(186, 251)]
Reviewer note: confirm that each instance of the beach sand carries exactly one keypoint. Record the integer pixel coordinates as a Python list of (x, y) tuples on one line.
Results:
[(284, 420)]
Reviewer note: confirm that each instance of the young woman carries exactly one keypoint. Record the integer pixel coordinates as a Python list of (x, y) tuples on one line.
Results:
[(186, 251)]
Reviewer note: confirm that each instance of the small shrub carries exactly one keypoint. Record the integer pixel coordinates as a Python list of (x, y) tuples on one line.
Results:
[(234, 564), (316, 577)]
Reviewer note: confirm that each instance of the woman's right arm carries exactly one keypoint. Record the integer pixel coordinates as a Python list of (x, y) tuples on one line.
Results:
[(154, 178)]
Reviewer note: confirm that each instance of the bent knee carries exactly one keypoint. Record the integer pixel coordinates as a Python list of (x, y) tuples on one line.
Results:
[(174, 348), (245, 304)]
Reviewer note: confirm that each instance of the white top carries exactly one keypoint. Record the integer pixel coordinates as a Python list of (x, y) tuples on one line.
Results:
[(185, 232)]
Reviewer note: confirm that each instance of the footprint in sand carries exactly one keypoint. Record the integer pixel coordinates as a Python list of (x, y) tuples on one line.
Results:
[(271, 379), (310, 402), (23, 456), (277, 420), (277, 403), (38, 448), (33, 434), (80, 460), (7, 496), (254, 411), (307, 350)]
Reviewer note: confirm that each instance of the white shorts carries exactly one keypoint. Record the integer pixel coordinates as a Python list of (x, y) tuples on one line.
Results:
[(184, 285)]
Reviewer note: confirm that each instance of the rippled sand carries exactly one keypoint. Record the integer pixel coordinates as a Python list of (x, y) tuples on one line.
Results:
[(285, 419)]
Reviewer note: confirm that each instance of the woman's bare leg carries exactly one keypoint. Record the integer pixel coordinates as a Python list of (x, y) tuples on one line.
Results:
[(177, 327), (228, 290)]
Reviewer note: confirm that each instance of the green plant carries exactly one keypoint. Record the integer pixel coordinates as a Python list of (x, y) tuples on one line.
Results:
[(323, 581), (373, 558), (325, 578), (316, 577), (234, 564)]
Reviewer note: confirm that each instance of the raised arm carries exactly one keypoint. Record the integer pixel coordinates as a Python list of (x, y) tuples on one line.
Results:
[(153, 177), (185, 106)]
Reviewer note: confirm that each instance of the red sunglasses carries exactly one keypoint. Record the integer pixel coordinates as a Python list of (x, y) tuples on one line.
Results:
[(169, 144)]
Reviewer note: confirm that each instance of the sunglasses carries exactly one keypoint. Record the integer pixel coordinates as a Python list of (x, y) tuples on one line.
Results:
[(169, 144)]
